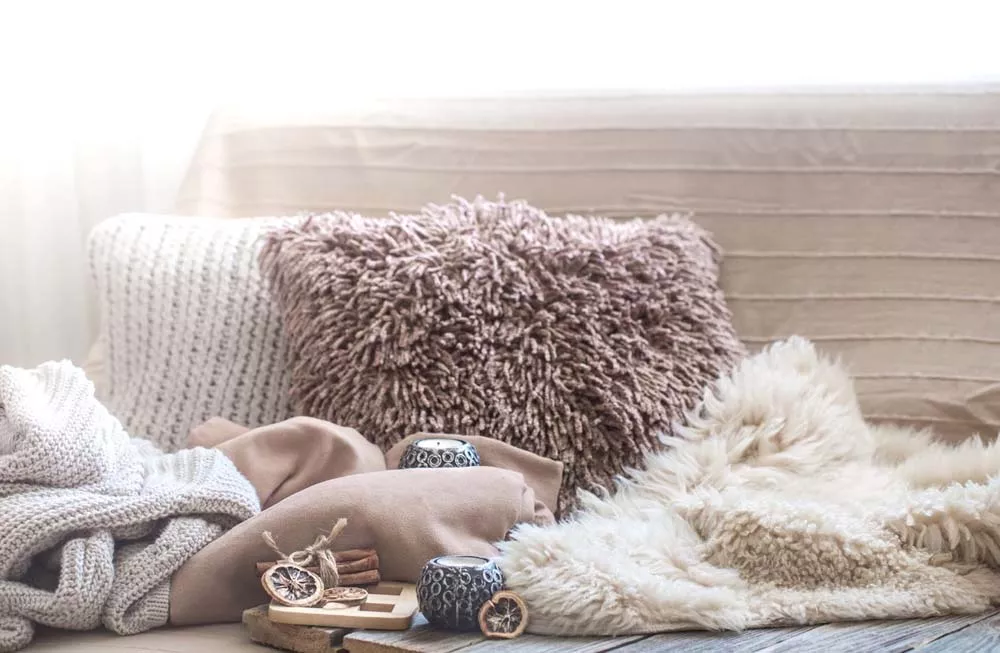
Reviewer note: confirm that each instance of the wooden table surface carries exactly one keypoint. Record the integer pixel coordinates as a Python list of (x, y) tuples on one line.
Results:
[(977, 633)]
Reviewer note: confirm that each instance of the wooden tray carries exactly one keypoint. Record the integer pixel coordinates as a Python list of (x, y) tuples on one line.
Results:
[(389, 606)]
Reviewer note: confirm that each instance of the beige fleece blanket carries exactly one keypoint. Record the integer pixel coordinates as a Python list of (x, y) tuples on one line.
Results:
[(777, 505), (409, 516)]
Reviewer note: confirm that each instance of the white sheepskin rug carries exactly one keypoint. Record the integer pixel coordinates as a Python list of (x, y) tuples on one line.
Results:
[(776, 505)]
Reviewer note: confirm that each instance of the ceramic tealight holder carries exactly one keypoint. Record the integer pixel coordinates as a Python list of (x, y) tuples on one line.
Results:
[(452, 589), (434, 452)]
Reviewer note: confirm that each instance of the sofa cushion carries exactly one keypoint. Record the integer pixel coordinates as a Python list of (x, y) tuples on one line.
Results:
[(581, 340), (188, 330)]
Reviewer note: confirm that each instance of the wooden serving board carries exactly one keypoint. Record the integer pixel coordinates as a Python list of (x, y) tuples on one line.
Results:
[(389, 606)]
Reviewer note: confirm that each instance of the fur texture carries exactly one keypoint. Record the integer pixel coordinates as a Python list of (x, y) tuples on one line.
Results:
[(574, 338), (777, 504)]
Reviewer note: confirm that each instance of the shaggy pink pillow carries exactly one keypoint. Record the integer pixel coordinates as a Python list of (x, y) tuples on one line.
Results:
[(579, 339)]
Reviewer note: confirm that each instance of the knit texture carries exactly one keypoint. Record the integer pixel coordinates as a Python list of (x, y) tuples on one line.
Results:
[(93, 522), (775, 505), (574, 338), (188, 327)]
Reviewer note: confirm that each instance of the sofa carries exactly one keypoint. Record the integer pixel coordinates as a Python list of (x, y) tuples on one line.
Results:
[(868, 222)]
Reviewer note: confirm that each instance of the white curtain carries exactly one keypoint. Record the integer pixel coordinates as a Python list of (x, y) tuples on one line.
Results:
[(96, 118), (58, 179), (102, 102)]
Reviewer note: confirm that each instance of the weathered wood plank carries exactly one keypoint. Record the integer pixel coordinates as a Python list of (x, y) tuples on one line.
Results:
[(900, 635), (714, 642), (419, 639), (424, 639), (542, 644), (983, 635), (299, 639), (959, 633)]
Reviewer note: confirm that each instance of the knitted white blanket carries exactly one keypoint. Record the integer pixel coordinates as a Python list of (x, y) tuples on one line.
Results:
[(93, 522), (777, 505)]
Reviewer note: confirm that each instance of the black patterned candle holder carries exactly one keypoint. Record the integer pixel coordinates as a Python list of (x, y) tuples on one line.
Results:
[(452, 589), (439, 452)]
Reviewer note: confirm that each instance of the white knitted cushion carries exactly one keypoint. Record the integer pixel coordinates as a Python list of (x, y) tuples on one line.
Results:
[(187, 326)]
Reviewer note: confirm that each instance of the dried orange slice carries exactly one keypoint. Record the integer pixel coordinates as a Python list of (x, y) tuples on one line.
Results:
[(504, 616), (292, 585), (345, 595)]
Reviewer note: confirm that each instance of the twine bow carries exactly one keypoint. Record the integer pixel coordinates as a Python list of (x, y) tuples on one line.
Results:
[(319, 552)]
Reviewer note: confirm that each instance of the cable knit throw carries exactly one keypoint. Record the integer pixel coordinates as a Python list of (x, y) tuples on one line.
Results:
[(93, 522), (187, 328)]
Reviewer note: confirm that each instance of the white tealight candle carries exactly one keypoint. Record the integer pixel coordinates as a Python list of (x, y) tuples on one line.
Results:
[(461, 561), (441, 444)]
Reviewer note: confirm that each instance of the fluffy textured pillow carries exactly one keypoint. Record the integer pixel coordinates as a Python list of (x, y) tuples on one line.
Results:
[(188, 330), (579, 339)]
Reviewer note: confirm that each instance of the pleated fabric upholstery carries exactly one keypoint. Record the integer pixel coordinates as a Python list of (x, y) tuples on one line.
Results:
[(867, 222)]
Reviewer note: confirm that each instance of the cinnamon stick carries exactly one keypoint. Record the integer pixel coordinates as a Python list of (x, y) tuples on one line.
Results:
[(351, 555), (365, 577), (370, 577), (347, 567), (365, 564)]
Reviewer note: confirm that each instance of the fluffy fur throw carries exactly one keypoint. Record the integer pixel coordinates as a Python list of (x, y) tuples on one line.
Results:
[(92, 522), (776, 505)]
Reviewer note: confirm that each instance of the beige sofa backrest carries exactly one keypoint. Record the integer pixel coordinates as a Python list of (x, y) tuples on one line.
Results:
[(868, 223)]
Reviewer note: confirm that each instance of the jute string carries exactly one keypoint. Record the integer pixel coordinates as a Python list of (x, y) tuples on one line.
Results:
[(318, 552)]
